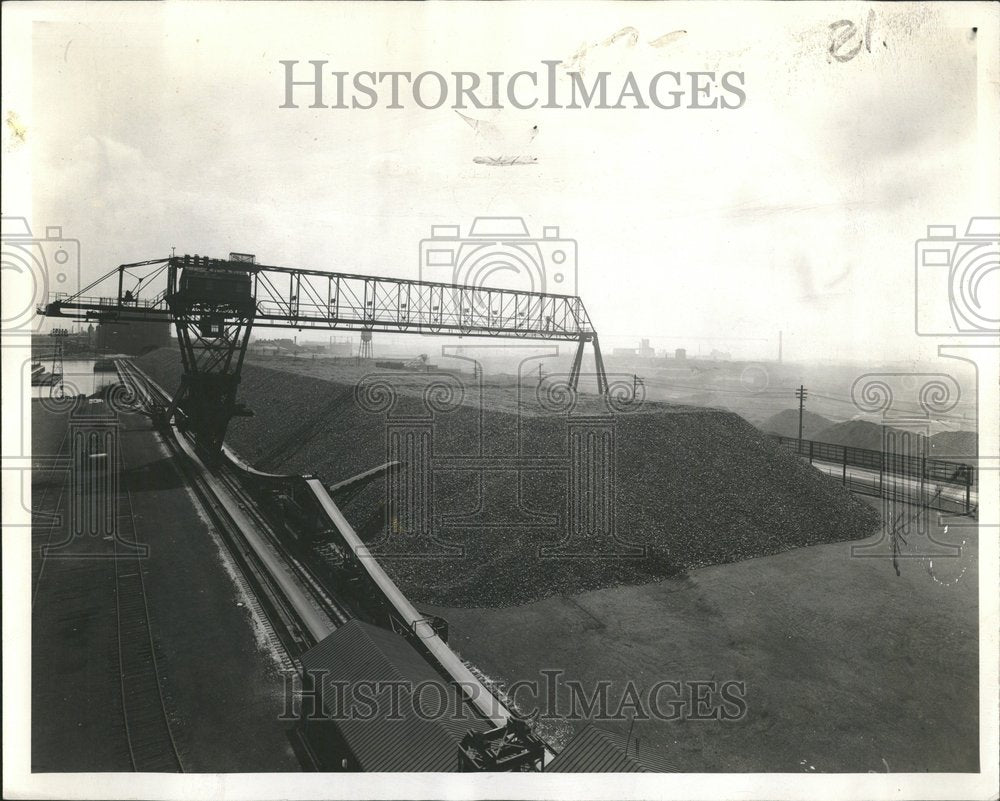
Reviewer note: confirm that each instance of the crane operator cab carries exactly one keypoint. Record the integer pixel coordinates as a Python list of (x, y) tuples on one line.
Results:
[(214, 289)]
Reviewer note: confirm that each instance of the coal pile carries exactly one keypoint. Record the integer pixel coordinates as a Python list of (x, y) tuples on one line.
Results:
[(515, 497), (959, 446), (786, 424), (853, 434)]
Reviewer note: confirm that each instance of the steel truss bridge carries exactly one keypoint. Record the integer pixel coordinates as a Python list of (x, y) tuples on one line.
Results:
[(215, 302)]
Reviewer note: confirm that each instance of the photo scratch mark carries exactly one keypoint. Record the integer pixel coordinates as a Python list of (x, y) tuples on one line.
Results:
[(505, 161), (505, 134), (575, 63), (629, 31), (667, 38)]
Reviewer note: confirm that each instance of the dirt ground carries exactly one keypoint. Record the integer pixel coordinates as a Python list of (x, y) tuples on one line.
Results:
[(847, 666)]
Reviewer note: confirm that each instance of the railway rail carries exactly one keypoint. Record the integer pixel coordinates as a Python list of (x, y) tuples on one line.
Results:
[(116, 557), (147, 726)]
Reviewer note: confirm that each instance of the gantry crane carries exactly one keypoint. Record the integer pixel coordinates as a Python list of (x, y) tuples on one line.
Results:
[(215, 302)]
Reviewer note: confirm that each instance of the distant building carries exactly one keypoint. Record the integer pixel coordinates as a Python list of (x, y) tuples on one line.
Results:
[(283, 346), (272, 347), (341, 346), (265, 349), (642, 352), (680, 353)]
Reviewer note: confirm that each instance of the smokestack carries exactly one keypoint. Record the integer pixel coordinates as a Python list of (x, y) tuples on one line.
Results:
[(779, 346)]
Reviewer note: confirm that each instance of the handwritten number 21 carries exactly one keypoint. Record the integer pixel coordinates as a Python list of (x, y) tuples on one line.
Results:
[(843, 31)]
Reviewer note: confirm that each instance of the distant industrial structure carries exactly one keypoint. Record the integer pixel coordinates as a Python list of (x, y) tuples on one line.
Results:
[(647, 353), (284, 346), (365, 351), (340, 346), (644, 351)]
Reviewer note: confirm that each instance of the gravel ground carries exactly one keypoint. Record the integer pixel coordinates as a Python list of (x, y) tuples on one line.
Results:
[(692, 486)]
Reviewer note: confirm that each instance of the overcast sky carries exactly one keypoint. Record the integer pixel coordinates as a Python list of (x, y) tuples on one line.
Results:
[(159, 126)]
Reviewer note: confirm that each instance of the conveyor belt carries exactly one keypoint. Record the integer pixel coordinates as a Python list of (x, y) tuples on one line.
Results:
[(313, 618), (484, 700), (317, 623)]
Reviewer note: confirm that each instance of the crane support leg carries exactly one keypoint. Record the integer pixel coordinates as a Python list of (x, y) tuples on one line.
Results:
[(574, 375), (212, 350), (602, 376)]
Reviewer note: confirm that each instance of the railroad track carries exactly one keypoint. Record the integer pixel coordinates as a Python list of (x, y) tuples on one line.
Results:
[(144, 716), (44, 522), (299, 609), (147, 726)]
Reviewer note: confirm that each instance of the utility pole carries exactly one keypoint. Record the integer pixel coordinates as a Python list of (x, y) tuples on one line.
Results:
[(801, 393)]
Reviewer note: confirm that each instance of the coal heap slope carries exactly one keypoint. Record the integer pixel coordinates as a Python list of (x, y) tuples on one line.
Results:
[(960, 446), (854, 434), (691, 486), (786, 424)]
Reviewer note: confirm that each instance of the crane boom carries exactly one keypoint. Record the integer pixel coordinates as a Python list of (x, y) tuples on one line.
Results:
[(300, 298), (215, 302)]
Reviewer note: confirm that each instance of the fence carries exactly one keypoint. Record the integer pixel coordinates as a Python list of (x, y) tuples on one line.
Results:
[(930, 497), (936, 483)]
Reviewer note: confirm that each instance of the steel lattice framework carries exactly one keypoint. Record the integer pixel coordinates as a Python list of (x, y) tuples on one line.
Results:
[(213, 329), (297, 298)]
